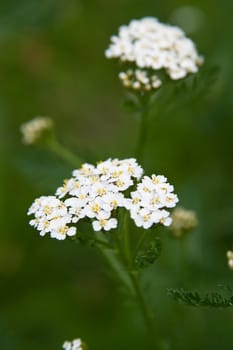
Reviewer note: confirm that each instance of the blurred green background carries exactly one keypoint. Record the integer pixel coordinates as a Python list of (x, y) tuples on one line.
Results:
[(52, 63)]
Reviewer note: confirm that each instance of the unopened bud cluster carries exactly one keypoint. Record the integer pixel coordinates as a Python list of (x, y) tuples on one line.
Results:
[(96, 192), (183, 221), (35, 129), (139, 80), (230, 259)]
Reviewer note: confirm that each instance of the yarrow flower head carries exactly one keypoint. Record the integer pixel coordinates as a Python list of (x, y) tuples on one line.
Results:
[(96, 192), (75, 344), (183, 221), (150, 46), (35, 129)]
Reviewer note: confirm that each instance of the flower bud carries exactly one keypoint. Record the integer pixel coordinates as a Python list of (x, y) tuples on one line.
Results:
[(183, 221), (230, 259), (36, 129)]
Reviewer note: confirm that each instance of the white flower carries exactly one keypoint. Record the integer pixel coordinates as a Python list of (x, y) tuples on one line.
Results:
[(113, 200), (75, 344), (95, 208), (104, 224), (147, 203), (51, 216), (34, 129), (151, 45), (75, 208), (142, 217)]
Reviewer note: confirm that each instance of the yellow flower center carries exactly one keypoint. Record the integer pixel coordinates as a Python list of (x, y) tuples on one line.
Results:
[(146, 217), (46, 224), (120, 183), (146, 189), (47, 210), (94, 179), (130, 170), (76, 184), (95, 208), (82, 196), (155, 200), (103, 222), (136, 200), (101, 191), (114, 203), (63, 230), (155, 179)]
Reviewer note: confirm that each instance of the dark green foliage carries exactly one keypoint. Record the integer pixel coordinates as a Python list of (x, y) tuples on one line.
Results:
[(149, 253), (211, 299)]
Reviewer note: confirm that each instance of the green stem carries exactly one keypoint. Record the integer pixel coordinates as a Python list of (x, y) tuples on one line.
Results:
[(114, 262), (127, 244), (140, 242), (120, 260), (142, 135), (63, 153), (153, 338), (129, 278)]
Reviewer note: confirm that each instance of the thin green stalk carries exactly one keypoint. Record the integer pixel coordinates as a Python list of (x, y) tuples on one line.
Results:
[(127, 244), (63, 153), (140, 242), (155, 343), (129, 278), (112, 257), (143, 132)]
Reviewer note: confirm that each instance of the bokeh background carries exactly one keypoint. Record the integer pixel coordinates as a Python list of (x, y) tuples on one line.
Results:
[(52, 63)]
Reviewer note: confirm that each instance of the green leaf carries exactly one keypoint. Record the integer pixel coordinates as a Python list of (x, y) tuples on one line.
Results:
[(212, 299), (185, 93), (149, 253)]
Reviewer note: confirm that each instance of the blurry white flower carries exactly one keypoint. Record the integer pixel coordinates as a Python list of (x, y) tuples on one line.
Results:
[(34, 129), (183, 221), (149, 45), (230, 259), (75, 344)]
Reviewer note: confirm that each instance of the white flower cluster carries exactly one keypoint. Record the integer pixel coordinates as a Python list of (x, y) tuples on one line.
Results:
[(149, 44), (230, 259), (147, 202), (139, 80), (95, 192), (75, 344), (34, 129), (51, 215)]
